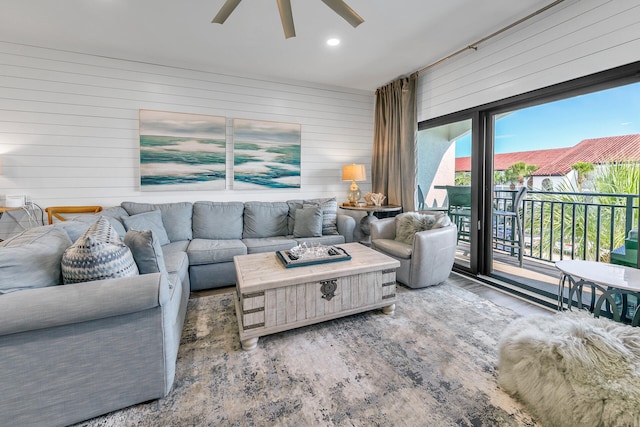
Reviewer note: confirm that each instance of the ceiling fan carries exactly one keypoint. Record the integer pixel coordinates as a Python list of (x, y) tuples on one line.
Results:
[(338, 6)]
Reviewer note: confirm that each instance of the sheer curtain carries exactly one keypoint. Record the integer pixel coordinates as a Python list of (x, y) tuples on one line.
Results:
[(393, 166)]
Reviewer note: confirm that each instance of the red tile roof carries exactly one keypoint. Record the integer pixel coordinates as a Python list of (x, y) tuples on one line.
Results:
[(558, 161)]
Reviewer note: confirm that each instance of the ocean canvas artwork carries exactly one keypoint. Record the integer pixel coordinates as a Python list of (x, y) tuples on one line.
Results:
[(265, 154), (180, 151)]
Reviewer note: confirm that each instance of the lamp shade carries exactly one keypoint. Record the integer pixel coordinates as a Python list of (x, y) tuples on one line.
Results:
[(354, 172)]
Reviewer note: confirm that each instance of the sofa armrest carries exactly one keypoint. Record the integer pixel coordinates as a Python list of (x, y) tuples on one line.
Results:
[(383, 229), (346, 225), (52, 306)]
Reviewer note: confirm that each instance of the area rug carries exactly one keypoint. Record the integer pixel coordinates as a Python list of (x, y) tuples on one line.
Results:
[(432, 363)]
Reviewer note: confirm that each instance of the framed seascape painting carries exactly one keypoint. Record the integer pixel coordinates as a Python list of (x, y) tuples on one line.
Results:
[(180, 151), (266, 155)]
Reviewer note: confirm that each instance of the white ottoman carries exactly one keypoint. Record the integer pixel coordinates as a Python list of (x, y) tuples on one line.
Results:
[(571, 369)]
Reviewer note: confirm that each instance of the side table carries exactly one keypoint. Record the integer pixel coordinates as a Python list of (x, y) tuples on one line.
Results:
[(605, 280), (365, 222)]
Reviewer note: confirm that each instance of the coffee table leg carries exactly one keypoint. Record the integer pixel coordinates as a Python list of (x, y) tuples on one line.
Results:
[(249, 344), (390, 309)]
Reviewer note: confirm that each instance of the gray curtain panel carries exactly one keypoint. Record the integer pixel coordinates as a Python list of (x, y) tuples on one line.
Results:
[(393, 166)]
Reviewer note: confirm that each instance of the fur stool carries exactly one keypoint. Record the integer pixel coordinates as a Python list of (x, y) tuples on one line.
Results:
[(571, 369)]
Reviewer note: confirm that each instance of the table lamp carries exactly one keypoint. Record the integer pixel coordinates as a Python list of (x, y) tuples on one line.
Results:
[(353, 173)]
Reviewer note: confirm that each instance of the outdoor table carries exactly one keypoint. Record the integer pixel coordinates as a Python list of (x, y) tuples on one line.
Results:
[(605, 279)]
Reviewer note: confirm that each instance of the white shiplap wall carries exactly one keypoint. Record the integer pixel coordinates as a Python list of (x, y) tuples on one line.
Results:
[(573, 39), (69, 125)]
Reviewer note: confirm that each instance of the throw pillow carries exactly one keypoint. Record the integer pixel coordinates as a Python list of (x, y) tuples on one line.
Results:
[(329, 214), (146, 250), (410, 223), (96, 255), (151, 220), (308, 222), (31, 259)]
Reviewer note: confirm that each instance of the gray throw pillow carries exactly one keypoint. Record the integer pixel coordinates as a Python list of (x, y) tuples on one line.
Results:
[(176, 217), (99, 254), (308, 222), (146, 251), (151, 220), (329, 214)]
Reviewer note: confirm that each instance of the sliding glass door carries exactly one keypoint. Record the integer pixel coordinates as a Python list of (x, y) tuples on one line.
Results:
[(444, 181), (566, 182)]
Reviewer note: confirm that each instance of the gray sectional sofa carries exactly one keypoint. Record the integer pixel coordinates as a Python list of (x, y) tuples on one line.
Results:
[(72, 352)]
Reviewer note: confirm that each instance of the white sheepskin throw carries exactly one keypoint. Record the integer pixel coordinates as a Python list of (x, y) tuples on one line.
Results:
[(571, 369), (410, 223)]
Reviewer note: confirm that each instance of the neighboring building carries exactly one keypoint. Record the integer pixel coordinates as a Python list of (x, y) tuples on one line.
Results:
[(555, 164)]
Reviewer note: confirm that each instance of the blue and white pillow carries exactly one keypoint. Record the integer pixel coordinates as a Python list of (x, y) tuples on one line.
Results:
[(98, 254)]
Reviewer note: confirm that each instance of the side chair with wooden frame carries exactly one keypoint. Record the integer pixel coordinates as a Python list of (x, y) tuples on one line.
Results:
[(57, 211)]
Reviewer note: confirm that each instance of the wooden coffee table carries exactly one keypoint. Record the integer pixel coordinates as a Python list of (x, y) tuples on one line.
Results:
[(272, 298)]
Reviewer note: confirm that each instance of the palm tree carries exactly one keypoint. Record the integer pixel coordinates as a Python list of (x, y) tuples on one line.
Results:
[(519, 171), (582, 169)]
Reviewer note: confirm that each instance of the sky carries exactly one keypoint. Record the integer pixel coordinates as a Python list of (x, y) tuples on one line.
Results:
[(566, 122)]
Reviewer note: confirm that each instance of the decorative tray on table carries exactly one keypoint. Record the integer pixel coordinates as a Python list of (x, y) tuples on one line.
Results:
[(302, 255)]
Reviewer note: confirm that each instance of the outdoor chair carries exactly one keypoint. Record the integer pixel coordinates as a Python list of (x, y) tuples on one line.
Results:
[(459, 208), (506, 222)]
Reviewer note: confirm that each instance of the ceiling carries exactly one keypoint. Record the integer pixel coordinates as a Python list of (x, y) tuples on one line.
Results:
[(397, 37)]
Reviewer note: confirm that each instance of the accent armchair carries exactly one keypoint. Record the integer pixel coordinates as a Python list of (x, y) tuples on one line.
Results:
[(427, 261)]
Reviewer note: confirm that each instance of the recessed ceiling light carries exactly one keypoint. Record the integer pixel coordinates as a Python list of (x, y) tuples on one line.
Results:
[(333, 42)]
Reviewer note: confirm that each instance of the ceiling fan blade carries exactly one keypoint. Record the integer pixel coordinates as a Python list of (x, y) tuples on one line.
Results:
[(342, 9), (286, 16), (225, 11)]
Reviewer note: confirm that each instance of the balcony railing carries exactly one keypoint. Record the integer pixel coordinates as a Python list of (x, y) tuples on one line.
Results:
[(568, 225)]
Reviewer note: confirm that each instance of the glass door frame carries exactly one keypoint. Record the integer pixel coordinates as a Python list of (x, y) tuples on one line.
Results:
[(477, 174), (482, 144)]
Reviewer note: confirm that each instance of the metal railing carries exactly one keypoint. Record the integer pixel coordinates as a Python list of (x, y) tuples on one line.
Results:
[(570, 225)]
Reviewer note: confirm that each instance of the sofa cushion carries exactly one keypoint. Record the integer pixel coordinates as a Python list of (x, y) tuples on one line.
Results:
[(151, 220), (265, 219), (268, 244), (73, 228), (394, 248), (208, 251), (31, 259), (98, 254), (329, 214), (322, 240), (78, 225), (175, 256), (117, 212), (146, 250), (176, 217), (308, 222), (217, 220), (176, 261)]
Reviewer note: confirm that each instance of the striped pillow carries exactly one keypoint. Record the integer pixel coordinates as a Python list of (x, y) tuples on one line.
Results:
[(98, 254), (329, 214)]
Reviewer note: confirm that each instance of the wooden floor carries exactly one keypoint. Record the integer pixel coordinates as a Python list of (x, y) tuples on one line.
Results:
[(503, 299)]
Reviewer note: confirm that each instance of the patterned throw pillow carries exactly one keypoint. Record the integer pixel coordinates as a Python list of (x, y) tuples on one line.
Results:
[(98, 254), (329, 214)]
